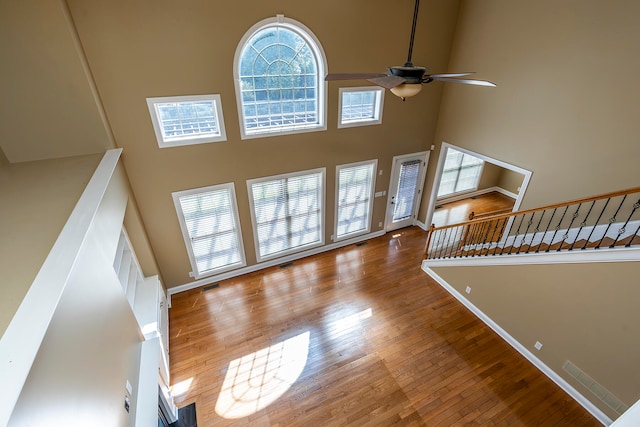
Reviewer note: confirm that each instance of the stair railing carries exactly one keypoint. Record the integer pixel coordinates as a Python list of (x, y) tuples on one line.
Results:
[(605, 221)]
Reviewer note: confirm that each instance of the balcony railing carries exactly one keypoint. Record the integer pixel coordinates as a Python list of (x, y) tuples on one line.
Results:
[(605, 221)]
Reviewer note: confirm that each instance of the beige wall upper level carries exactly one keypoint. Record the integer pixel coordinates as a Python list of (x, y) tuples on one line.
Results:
[(566, 101), (49, 107), (36, 200), (148, 49)]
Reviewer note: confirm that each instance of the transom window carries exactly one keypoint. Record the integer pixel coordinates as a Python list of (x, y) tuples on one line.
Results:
[(287, 212), (355, 185), (461, 173), (211, 229), (184, 120), (360, 106), (279, 76)]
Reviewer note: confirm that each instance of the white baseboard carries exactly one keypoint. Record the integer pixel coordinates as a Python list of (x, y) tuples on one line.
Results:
[(475, 193), (421, 225), (256, 267), (568, 388)]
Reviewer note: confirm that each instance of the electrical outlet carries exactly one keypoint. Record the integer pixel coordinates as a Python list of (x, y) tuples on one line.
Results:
[(380, 224), (380, 172), (433, 147), (538, 345), (468, 290)]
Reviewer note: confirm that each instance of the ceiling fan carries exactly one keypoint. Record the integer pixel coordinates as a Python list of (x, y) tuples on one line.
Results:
[(406, 80)]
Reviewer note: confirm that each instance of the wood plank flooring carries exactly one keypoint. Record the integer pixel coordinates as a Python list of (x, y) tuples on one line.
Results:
[(358, 336), (458, 211)]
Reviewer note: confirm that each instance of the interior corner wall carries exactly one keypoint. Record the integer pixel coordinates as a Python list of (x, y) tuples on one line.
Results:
[(92, 346), (490, 176), (510, 180), (557, 110), (138, 236), (584, 313)]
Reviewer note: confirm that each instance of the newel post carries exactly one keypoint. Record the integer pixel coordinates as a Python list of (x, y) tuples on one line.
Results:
[(426, 249)]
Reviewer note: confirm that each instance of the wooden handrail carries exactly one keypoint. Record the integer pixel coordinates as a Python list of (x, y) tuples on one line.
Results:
[(474, 215), (553, 206)]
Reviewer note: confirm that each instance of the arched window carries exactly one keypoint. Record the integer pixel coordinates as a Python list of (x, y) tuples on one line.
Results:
[(279, 70)]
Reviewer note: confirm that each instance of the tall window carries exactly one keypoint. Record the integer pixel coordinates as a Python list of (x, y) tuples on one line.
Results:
[(461, 173), (287, 212), (279, 73), (211, 229), (355, 184)]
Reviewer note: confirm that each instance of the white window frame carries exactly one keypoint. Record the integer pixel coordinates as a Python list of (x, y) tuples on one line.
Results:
[(166, 142), (469, 190), (321, 61), (230, 187), (250, 182), (371, 196), (378, 105)]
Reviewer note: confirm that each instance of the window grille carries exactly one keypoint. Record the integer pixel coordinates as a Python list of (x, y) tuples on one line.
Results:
[(184, 120), (360, 106), (279, 71)]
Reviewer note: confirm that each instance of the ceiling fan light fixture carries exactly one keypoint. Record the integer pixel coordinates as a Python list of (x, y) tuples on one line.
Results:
[(406, 90)]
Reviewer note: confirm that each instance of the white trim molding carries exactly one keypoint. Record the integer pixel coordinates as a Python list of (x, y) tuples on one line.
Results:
[(566, 257), (553, 376)]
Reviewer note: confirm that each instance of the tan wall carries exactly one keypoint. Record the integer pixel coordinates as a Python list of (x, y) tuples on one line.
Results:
[(490, 176), (148, 48), (138, 235), (510, 180), (92, 345), (48, 109), (36, 199), (565, 106), (585, 313)]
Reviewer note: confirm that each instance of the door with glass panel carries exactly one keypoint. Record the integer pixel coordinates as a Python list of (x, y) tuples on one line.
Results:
[(405, 189)]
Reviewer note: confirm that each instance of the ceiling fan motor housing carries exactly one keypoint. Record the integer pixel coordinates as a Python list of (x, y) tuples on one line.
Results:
[(409, 72)]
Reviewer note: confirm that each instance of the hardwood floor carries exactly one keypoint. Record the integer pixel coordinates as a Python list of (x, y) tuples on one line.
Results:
[(356, 336), (458, 211)]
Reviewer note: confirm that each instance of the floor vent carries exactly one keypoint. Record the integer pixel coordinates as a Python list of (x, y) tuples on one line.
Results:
[(286, 264), (602, 393), (208, 288), (361, 243)]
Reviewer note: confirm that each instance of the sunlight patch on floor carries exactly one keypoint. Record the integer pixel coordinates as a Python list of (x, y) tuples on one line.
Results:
[(346, 324), (258, 379), (182, 387)]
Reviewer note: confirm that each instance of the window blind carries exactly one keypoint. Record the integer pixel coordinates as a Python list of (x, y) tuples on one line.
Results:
[(407, 186), (355, 184), (211, 227), (287, 213)]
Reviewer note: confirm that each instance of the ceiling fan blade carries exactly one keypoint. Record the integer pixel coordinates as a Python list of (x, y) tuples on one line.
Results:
[(449, 74), (353, 76), (465, 81), (388, 82)]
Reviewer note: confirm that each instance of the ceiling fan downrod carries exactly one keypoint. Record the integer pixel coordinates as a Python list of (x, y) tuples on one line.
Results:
[(413, 33)]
